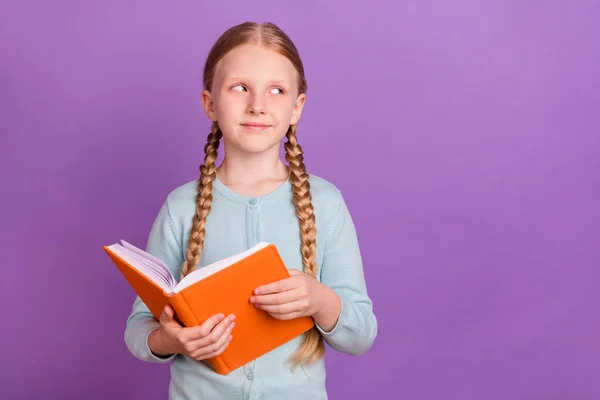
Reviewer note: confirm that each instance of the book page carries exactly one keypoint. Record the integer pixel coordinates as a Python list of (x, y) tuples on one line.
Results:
[(156, 263), (142, 266), (208, 270), (164, 275)]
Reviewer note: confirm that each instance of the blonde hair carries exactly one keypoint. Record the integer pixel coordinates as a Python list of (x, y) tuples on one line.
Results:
[(312, 345)]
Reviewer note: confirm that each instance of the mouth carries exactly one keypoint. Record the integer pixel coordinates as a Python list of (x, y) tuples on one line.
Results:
[(255, 126)]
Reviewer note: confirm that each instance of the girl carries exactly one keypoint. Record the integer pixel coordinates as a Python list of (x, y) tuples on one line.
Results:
[(254, 94)]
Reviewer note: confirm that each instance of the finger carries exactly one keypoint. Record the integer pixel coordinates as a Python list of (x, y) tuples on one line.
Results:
[(286, 308), (278, 286), (204, 328), (166, 314), (166, 317), (276, 298), (213, 336), (286, 316), (212, 348), (204, 356)]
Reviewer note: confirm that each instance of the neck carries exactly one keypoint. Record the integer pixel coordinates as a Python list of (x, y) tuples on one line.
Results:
[(249, 168)]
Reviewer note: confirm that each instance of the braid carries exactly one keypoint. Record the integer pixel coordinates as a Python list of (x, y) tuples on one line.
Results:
[(312, 346), (208, 173)]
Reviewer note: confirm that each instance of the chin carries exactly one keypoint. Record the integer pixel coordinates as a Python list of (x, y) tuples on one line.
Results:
[(258, 148), (256, 145)]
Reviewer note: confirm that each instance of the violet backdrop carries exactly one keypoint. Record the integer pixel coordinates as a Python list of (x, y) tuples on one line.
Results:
[(464, 136)]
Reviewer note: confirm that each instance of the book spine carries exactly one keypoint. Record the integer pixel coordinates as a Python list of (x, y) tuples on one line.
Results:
[(182, 312), (218, 364), (185, 316)]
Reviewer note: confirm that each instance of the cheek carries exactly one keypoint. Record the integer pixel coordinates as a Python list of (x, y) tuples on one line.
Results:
[(283, 110), (228, 108)]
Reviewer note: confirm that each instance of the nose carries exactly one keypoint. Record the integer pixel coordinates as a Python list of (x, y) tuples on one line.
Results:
[(256, 105)]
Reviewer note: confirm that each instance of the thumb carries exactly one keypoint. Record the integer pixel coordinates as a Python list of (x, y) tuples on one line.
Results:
[(295, 272), (166, 316)]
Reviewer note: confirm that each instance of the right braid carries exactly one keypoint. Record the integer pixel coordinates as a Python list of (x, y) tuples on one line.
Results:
[(312, 346), (208, 173)]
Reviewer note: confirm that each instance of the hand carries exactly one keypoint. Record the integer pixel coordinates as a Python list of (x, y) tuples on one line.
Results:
[(207, 340), (297, 296)]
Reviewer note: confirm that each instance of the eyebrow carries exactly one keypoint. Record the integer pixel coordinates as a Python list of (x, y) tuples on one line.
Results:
[(282, 82)]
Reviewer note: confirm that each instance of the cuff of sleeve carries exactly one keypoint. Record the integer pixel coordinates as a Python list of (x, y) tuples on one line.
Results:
[(340, 321), (154, 357)]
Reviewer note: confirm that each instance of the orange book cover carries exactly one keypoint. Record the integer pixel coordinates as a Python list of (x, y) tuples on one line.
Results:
[(222, 287)]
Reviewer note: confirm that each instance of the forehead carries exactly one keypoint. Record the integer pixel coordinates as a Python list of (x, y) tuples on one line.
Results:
[(256, 62)]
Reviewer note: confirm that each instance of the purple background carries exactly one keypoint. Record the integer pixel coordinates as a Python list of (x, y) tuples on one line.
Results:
[(464, 135)]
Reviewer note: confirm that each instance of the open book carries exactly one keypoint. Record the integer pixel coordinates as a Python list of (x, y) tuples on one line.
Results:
[(157, 271), (223, 287)]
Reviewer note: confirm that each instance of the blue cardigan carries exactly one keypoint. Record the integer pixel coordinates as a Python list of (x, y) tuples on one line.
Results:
[(234, 224)]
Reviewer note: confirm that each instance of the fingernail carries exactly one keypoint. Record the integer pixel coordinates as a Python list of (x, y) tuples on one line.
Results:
[(230, 337)]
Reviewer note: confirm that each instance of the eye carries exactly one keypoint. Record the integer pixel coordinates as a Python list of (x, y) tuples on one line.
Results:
[(237, 88), (274, 90)]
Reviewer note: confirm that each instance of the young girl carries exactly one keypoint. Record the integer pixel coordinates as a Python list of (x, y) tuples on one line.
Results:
[(255, 91)]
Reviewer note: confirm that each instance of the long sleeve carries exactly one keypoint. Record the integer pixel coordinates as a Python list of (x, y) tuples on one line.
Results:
[(342, 271), (162, 243)]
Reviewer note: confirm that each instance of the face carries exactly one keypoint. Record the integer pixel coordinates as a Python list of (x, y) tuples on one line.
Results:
[(254, 98)]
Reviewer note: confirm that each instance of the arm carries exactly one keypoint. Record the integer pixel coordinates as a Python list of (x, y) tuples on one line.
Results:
[(327, 317), (141, 333), (347, 322)]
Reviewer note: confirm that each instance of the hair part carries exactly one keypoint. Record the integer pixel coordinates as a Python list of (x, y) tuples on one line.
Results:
[(266, 34), (269, 35)]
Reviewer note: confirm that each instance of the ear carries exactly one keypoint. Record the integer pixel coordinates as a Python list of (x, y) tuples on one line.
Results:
[(298, 107), (209, 105)]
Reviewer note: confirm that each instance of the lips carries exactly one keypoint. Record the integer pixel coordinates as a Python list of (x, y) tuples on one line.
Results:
[(255, 126)]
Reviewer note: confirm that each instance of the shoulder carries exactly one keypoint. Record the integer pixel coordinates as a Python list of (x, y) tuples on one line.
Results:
[(327, 199), (322, 190), (181, 201), (183, 193)]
